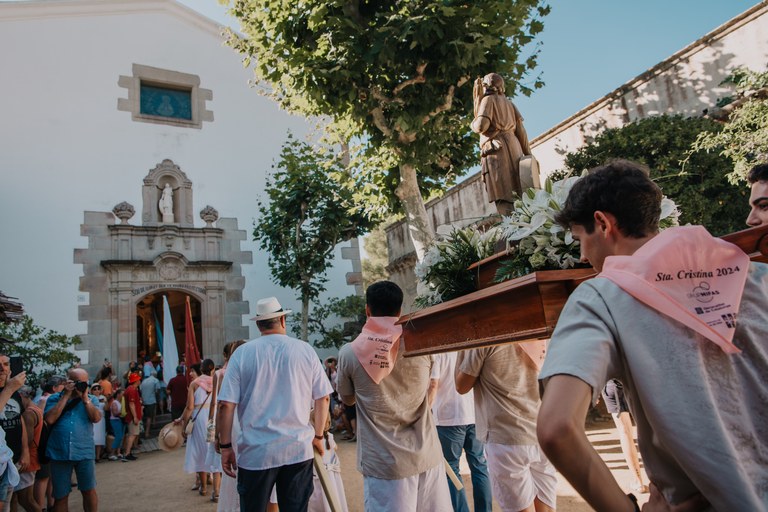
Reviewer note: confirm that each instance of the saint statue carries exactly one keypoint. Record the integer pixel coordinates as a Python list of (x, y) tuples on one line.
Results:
[(503, 142), (166, 204)]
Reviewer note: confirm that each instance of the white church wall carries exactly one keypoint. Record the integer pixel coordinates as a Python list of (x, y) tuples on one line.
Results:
[(66, 148)]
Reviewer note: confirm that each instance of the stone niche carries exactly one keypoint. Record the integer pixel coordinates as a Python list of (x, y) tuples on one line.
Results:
[(129, 269)]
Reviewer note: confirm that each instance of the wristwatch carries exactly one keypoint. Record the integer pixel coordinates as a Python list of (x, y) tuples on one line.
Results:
[(225, 445), (319, 437)]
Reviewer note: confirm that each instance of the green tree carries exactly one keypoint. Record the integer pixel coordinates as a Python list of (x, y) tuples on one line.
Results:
[(697, 183), (744, 138), (309, 212), (46, 352), (394, 75), (336, 321)]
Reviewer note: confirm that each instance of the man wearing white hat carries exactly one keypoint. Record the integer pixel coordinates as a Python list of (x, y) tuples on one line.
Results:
[(272, 381)]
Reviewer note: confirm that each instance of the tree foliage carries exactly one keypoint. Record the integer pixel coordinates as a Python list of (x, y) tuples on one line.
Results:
[(396, 76), (45, 352), (308, 213), (696, 182), (336, 321), (744, 138)]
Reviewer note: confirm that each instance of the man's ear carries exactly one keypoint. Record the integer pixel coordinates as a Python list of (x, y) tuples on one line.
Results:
[(367, 310), (605, 222)]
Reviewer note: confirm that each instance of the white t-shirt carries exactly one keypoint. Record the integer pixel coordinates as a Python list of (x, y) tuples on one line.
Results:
[(701, 414), (273, 380), (450, 408)]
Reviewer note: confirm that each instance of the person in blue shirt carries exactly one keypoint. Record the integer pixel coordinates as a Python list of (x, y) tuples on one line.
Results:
[(70, 443)]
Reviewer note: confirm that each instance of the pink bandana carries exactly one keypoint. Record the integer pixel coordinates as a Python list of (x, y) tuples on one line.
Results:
[(700, 287), (205, 382), (376, 347), (535, 350)]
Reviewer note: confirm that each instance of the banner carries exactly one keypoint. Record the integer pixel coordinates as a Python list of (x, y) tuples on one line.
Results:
[(171, 353)]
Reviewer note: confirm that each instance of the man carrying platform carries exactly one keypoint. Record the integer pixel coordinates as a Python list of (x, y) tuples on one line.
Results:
[(680, 318), (398, 451)]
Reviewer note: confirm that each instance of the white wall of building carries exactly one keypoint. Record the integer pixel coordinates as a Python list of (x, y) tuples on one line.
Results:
[(66, 148)]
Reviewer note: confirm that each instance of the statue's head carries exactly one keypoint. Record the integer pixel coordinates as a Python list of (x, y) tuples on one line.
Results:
[(493, 82)]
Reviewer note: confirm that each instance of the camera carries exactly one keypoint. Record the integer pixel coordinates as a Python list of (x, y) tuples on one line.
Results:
[(81, 386)]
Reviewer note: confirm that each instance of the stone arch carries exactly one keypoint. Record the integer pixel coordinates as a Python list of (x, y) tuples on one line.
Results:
[(150, 317), (167, 172)]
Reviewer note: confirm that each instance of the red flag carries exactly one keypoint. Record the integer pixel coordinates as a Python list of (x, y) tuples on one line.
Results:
[(192, 356)]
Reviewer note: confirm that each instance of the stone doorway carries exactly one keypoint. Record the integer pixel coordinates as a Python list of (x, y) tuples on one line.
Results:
[(150, 318)]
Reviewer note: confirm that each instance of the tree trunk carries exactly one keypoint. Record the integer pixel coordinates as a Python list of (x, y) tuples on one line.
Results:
[(419, 227), (305, 318)]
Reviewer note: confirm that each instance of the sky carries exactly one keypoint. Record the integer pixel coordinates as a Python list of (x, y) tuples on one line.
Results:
[(591, 47)]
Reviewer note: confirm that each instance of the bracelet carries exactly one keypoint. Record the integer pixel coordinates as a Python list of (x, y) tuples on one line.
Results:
[(633, 499), (319, 437), (225, 445)]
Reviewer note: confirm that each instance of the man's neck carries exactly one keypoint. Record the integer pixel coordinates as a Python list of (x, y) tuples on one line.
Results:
[(628, 246), (272, 331)]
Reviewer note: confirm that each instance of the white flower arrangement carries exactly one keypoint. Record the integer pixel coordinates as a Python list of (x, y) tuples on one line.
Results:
[(539, 243)]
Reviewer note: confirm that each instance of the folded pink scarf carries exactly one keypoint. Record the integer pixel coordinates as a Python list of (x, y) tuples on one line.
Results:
[(688, 275), (376, 346)]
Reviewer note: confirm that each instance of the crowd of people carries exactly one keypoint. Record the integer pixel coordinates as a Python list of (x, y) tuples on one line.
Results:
[(690, 366)]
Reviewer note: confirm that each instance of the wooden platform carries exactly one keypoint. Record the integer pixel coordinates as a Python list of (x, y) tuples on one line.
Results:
[(526, 308)]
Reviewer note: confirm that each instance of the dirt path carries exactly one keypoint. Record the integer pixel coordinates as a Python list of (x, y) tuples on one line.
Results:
[(157, 482)]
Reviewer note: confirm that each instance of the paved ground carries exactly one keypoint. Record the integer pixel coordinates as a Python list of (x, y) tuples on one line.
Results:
[(157, 480)]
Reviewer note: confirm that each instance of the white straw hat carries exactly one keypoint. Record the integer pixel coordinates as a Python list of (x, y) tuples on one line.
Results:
[(269, 308), (169, 437)]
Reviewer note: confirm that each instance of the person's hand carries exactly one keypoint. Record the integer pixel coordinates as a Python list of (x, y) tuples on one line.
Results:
[(69, 387), (23, 461), (136, 422), (658, 503), (17, 381), (228, 462), (319, 445)]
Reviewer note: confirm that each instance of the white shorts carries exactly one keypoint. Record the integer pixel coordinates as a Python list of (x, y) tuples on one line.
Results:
[(425, 492), (25, 480), (520, 474)]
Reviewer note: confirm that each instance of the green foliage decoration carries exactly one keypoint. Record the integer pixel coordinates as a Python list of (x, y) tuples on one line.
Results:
[(696, 181), (46, 352), (445, 268)]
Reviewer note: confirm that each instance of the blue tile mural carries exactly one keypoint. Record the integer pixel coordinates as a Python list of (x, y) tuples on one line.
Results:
[(164, 102)]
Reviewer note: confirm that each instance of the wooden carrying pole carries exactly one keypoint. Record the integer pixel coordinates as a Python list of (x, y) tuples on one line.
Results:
[(454, 479), (328, 488)]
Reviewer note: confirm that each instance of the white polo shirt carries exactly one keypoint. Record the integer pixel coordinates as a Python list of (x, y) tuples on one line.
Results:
[(273, 380), (450, 409)]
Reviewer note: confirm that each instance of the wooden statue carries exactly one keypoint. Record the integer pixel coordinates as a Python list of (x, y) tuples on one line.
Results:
[(503, 142)]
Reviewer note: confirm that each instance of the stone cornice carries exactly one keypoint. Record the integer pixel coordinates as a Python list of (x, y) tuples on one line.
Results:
[(117, 264)]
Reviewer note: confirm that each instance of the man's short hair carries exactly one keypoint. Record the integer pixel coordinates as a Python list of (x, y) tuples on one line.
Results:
[(758, 173), (179, 370), (27, 392), (621, 188), (153, 373), (269, 323), (384, 298)]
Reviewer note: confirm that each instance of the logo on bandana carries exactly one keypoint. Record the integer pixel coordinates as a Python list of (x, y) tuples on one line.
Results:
[(702, 293)]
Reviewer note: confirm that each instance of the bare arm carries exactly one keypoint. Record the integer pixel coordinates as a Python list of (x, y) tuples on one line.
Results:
[(187, 414), (214, 394), (464, 382), (560, 429), (53, 415), (24, 458), (432, 391), (348, 400), (94, 414), (224, 434), (30, 423), (12, 386), (321, 416)]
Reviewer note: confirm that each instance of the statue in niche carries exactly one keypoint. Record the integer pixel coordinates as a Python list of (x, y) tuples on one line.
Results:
[(166, 204), (503, 144)]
